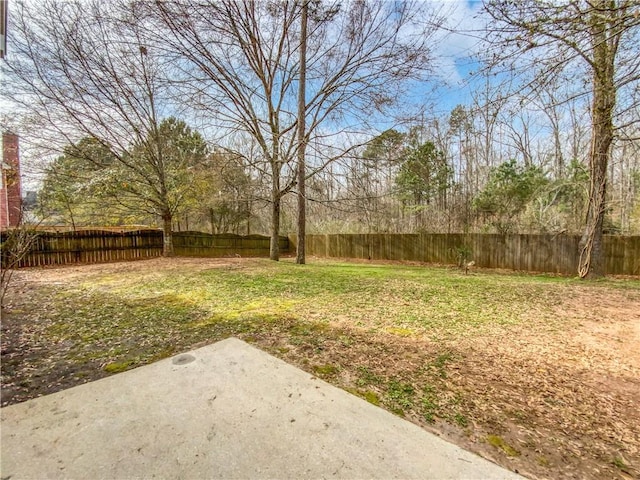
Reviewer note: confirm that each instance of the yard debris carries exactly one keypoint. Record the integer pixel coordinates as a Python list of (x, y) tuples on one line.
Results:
[(543, 378)]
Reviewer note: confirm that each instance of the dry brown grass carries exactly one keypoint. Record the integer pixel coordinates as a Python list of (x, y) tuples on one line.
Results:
[(540, 375)]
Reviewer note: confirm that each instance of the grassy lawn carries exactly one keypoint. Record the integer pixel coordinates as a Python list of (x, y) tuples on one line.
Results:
[(538, 373)]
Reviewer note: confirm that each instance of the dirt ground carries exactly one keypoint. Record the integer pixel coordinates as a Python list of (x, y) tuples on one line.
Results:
[(578, 390), (560, 404)]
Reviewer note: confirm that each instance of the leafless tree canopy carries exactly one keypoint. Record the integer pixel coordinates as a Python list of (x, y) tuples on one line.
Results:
[(240, 65), (88, 69)]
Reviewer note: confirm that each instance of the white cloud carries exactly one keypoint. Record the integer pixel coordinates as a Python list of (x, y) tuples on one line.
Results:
[(455, 46)]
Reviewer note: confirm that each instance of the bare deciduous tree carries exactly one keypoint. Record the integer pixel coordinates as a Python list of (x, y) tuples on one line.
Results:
[(596, 38), (243, 69), (83, 69)]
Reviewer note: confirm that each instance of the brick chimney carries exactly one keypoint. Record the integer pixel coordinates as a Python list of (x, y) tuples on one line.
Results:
[(10, 188)]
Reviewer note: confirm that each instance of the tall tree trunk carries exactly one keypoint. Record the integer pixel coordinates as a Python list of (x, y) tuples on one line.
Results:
[(591, 263), (248, 217), (591, 248), (167, 235), (302, 205), (276, 198), (274, 246)]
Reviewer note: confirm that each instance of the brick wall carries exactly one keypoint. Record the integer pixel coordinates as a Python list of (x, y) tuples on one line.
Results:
[(10, 191)]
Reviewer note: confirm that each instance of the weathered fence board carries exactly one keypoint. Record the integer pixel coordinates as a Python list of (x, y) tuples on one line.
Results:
[(532, 253), (98, 246), (536, 253), (197, 244), (89, 246)]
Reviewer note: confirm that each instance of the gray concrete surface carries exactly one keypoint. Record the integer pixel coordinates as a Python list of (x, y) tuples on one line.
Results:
[(226, 410)]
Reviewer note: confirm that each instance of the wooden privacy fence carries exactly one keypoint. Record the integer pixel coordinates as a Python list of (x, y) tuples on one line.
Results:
[(197, 244), (533, 253), (86, 246), (97, 246)]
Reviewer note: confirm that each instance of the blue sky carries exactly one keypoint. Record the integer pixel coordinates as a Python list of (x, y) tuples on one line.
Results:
[(453, 53)]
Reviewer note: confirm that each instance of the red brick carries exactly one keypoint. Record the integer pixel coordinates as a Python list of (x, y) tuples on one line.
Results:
[(11, 191)]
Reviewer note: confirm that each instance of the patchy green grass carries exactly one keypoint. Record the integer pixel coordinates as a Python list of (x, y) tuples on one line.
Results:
[(116, 367), (326, 370), (367, 377), (440, 363), (620, 464), (500, 443), (430, 344), (430, 403), (372, 397), (122, 317), (419, 300), (400, 396)]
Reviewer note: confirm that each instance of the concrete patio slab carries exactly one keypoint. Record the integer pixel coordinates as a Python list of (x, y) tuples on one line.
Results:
[(226, 410)]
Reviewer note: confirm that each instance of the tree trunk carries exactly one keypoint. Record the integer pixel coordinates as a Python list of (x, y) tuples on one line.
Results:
[(73, 221), (604, 98), (167, 235), (302, 206), (248, 217), (591, 248), (274, 247)]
